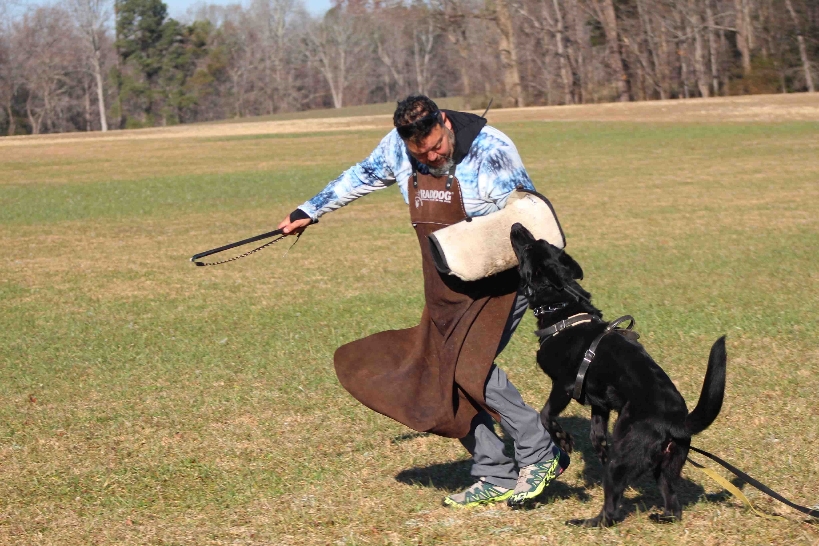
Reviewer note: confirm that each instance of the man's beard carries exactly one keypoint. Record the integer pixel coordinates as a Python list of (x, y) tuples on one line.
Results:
[(445, 167)]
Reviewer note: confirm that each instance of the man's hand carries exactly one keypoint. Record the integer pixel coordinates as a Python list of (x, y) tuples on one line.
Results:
[(295, 227)]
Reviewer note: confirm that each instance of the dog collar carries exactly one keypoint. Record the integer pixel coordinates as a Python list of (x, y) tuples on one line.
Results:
[(554, 329), (549, 309)]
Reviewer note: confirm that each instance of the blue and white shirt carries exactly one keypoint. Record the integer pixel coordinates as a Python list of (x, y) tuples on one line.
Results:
[(488, 173)]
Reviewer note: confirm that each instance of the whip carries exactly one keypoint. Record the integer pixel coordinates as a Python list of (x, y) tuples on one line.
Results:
[(278, 233)]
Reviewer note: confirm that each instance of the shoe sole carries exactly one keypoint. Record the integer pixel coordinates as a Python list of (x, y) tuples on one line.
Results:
[(454, 504), (516, 501)]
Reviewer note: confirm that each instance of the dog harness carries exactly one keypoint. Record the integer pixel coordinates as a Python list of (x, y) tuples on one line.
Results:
[(588, 356), (591, 351)]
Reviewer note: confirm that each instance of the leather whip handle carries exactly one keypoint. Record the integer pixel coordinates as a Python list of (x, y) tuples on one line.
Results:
[(237, 243)]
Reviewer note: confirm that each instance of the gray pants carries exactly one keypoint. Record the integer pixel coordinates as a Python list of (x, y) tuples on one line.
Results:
[(518, 421)]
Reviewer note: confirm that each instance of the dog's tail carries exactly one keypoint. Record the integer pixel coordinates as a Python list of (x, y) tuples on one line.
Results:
[(713, 392)]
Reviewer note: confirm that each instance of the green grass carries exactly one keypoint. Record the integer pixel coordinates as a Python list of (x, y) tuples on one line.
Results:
[(146, 401)]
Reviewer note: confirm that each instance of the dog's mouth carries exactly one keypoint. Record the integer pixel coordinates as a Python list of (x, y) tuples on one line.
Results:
[(522, 241)]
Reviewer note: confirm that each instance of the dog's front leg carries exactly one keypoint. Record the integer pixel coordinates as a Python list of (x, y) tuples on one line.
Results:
[(599, 432), (557, 402)]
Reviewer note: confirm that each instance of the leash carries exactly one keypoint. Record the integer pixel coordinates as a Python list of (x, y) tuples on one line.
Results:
[(812, 512), (267, 235)]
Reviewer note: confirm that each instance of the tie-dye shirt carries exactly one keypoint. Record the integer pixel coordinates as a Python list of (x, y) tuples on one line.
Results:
[(488, 174)]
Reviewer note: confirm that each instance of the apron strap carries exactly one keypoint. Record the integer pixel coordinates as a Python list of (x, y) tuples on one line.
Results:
[(450, 177)]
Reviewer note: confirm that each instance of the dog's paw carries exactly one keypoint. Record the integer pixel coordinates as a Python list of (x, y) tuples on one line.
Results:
[(599, 521), (663, 518), (601, 447), (564, 440)]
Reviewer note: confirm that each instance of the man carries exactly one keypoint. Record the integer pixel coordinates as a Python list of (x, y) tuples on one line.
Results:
[(440, 376)]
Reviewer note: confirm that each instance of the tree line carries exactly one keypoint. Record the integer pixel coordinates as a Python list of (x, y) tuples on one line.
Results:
[(82, 65)]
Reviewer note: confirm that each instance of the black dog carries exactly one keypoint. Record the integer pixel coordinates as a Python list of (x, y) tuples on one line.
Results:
[(653, 429)]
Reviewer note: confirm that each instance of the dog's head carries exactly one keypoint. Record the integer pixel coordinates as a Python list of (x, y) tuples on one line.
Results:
[(545, 270)]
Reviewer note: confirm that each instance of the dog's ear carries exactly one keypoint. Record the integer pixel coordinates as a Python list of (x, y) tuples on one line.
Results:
[(551, 271), (573, 266)]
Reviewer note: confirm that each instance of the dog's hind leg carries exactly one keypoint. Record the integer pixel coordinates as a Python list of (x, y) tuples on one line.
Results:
[(667, 474), (557, 402), (631, 442), (599, 432)]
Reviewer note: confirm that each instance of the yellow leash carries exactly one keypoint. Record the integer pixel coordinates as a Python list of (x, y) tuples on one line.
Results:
[(813, 512), (731, 488)]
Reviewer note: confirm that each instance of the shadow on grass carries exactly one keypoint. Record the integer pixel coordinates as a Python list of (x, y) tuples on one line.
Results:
[(454, 476), (408, 436)]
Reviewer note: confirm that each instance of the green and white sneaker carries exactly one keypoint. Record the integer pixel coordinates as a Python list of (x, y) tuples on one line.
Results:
[(481, 492), (534, 478)]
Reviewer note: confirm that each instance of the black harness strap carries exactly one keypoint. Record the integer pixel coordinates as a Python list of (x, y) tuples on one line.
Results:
[(556, 328), (590, 354)]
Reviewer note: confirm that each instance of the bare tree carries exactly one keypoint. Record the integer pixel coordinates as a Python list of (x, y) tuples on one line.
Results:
[(10, 68), (455, 15), (423, 41), (803, 53), (694, 16), (550, 24), (712, 46), (91, 18), (656, 70), (508, 54), (48, 62), (272, 17), (391, 34), (608, 18), (743, 34), (333, 45)]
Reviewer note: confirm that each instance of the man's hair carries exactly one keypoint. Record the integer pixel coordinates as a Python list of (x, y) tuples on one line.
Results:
[(415, 116)]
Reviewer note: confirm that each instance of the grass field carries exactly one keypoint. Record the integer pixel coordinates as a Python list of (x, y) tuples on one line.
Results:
[(147, 401)]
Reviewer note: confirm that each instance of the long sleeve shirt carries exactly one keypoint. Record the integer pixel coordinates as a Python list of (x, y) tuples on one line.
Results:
[(488, 173)]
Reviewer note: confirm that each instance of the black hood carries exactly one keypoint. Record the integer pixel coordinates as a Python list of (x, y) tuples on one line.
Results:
[(466, 127)]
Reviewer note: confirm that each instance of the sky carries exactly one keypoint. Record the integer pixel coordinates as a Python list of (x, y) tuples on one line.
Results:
[(178, 8)]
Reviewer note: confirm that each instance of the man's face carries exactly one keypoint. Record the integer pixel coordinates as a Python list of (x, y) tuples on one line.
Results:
[(436, 149)]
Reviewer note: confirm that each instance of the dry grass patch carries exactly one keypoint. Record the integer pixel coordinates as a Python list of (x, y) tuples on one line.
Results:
[(248, 128), (753, 108)]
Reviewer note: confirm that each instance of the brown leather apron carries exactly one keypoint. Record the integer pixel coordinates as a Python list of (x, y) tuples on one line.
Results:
[(431, 377)]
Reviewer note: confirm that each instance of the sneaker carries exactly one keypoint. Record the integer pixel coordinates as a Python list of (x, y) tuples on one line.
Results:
[(481, 492), (534, 478)]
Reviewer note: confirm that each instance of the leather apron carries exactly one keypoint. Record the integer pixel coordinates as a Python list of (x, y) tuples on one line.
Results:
[(432, 377)]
